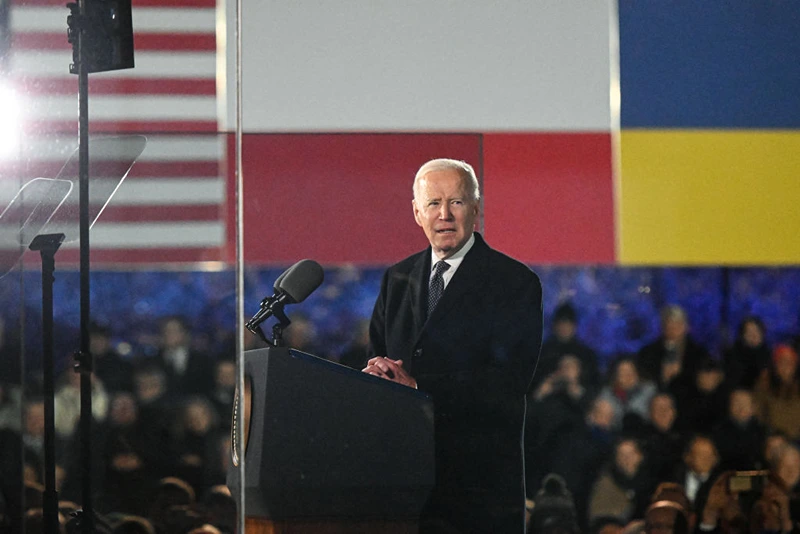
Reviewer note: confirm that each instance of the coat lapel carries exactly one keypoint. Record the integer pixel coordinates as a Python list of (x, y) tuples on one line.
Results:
[(469, 277), (419, 295)]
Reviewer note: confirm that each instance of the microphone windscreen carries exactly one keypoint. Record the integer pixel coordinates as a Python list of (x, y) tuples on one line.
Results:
[(277, 285), (300, 280)]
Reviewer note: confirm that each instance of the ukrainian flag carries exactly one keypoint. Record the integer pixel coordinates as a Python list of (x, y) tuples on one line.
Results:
[(709, 168)]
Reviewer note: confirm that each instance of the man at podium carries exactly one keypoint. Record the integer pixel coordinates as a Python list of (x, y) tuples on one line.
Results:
[(463, 323)]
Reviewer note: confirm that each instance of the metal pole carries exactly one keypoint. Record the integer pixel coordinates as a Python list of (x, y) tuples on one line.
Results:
[(85, 363), (241, 445)]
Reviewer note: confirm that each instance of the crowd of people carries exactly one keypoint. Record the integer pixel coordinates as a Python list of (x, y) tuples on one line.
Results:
[(160, 442), (672, 439), (658, 439)]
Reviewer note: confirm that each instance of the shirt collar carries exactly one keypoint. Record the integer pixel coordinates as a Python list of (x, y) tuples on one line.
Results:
[(456, 259)]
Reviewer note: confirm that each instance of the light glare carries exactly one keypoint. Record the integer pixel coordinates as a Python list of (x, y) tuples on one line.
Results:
[(10, 122)]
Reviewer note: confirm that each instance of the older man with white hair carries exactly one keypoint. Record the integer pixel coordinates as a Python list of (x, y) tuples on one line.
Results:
[(463, 322)]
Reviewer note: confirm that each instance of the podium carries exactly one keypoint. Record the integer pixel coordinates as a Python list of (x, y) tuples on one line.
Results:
[(329, 449)]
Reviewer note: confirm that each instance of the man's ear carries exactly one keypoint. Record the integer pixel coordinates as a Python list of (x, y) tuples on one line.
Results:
[(416, 212)]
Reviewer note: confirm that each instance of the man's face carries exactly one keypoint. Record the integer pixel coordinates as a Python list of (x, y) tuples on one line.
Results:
[(565, 330), (741, 406), (662, 412), (675, 330), (628, 458), (788, 468), (445, 209), (752, 335), (173, 335), (702, 457), (627, 376)]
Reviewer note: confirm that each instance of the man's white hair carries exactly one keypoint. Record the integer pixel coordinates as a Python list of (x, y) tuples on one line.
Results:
[(462, 167), (673, 312)]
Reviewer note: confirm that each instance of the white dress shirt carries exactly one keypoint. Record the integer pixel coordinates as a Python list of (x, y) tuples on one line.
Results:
[(453, 261)]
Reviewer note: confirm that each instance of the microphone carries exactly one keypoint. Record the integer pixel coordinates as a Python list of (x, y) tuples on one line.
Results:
[(300, 280), (294, 285)]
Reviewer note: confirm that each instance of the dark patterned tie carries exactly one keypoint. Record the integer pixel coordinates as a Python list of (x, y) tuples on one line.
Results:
[(436, 287)]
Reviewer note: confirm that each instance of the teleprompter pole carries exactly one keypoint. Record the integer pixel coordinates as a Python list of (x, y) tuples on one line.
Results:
[(47, 245)]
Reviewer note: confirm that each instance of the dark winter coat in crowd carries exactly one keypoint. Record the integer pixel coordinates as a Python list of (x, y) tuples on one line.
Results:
[(743, 365), (578, 456), (699, 411), (115, 372), (652, 356), (195, 378), (663, 450), (552, 351), (548, 421), (740, 446)]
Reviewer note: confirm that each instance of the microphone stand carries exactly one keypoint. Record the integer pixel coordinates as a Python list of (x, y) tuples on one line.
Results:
[(270, 306)]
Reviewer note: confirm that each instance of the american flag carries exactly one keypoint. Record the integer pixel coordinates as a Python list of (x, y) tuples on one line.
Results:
[(171, 208)]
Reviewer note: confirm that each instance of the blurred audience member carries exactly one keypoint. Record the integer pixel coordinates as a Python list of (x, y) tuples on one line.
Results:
[(773, 443), (153, 401), (554, 510), (33, 435), (778, 393), (302, 335), (134, 525), (700, 466), (559, 436), (606, 525), (187, 371), (195, 445), (67, 403), (740, 437), (623, 489), (131, 460), (785, 485), (10, 406), (355, 356), (702, 403), (674, 492), (220, 508), (627, 392), (666, 517), (787, 467), (224, 388), (10, 352), (721, 511), (749, 356), (170, 506), (35, 523), (674, 355), (663, 442), (115, 372), (563, 340)]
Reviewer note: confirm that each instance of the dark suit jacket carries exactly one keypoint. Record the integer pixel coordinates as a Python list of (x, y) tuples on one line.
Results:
[(475, 355)]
